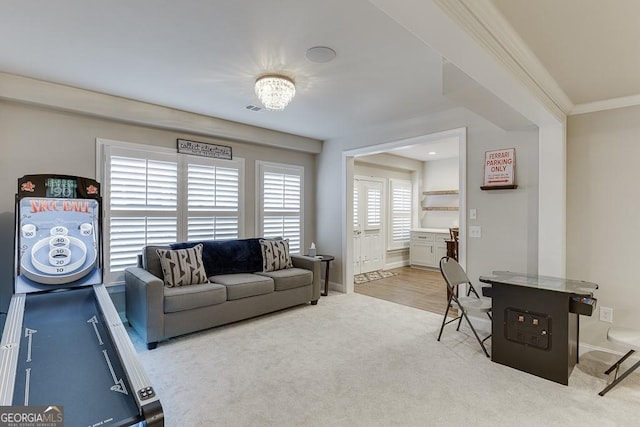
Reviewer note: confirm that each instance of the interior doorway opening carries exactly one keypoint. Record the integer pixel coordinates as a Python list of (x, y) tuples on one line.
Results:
[(350, 223)]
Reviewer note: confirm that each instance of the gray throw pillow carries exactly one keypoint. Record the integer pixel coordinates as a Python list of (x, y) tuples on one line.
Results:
[(275, 255), (182, 267)]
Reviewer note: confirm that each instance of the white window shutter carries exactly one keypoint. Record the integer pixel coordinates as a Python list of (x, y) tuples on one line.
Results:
[(156, 197), (356, 207), (401, 208), (143, 199), (281, 202), (374, 208), (212, 202)]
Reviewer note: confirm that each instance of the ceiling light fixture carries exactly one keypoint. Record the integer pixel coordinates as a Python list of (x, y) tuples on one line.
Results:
[(275, 91)]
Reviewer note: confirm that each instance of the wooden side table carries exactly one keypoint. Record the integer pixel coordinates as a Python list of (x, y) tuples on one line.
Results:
[(327, 260)]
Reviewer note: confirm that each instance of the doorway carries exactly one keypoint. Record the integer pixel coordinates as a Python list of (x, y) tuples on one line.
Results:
[(368, 225), (349, 224)]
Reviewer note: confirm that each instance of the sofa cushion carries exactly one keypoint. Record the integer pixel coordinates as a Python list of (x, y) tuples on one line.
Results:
[(275, 254), (228, 256), (289, 278), (243, 285), (182, 267), (151, 260), (182, 298)]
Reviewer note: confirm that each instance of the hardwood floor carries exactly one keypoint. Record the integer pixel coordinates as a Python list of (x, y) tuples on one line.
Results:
[(414, 287)]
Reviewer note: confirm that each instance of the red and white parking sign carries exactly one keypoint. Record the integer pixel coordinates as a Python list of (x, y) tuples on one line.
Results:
[(499, 167)]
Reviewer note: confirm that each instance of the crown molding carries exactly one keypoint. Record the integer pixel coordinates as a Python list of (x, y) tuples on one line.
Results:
[(482, 21), (607, 104), (80, 101)]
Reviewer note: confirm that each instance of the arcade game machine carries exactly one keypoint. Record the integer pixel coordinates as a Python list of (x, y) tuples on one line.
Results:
[(63, 342)]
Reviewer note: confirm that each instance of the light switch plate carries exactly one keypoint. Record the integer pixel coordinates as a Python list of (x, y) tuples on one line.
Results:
[(473, 214), (475, 231)]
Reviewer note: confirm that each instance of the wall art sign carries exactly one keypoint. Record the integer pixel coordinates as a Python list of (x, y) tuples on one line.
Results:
[(499, 168), (203, 149)]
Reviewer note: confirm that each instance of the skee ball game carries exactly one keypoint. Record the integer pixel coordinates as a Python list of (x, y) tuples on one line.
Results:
[(64, 344)]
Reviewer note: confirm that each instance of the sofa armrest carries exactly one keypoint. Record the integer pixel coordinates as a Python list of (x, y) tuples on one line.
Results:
[(313, 264), (144, 299)]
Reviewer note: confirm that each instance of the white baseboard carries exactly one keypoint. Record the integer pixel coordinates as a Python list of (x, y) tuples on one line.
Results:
[(396, 264), (585, 348), (338, 287)]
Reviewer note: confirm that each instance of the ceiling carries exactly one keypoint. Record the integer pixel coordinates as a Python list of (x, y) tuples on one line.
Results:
[(590, 47), (204, 56), (445, 148)]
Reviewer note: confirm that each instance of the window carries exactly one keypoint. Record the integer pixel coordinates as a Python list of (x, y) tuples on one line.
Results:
[(374, 207), (212, 200), (153, 196), (356, 206), (281, 202), (400, 209), (141, 200)]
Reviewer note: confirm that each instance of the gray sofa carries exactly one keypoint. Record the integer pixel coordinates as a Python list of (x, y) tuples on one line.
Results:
[(238, 290)]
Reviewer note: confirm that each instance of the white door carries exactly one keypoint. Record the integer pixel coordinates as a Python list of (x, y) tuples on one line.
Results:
[(367, 225)]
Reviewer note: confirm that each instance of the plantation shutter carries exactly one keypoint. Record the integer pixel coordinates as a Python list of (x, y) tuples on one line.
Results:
[(400, 213), (281, 203), (154, 196), (374, 208), (143, 200), (212, 202), (356, 208)]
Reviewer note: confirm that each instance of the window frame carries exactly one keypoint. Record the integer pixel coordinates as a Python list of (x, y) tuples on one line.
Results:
[(404, 244), (105, 148), (261, 167), (183, 168)]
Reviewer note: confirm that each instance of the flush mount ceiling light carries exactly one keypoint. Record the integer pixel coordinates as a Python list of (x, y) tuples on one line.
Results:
[(275, 91)]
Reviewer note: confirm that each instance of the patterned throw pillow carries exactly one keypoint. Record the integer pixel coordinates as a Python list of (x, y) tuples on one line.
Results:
[(182, 267), (275, 255)]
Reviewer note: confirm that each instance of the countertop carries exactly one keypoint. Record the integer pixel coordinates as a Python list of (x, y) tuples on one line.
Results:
[(431, 230)]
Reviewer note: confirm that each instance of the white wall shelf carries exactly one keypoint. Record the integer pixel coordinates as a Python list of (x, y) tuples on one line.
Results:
[(440, 200)]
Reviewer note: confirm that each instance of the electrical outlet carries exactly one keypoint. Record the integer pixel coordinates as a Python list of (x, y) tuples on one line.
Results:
[(475, 231), (606, 314)]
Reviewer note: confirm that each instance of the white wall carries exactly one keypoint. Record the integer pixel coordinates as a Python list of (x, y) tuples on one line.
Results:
[(602, 214), (441, 175), (42, 140), (508, 217)]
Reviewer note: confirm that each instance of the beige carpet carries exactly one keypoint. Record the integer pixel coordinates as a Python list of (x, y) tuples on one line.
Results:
[(353, 360)]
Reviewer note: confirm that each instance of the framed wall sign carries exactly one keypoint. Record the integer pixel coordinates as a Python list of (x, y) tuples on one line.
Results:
[(499, 169), (203, 149)]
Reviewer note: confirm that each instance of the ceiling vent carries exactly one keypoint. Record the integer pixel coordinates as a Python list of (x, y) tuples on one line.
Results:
[(253, 108)]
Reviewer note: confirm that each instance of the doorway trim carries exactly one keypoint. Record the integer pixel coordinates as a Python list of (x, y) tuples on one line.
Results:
[(347, 167)]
